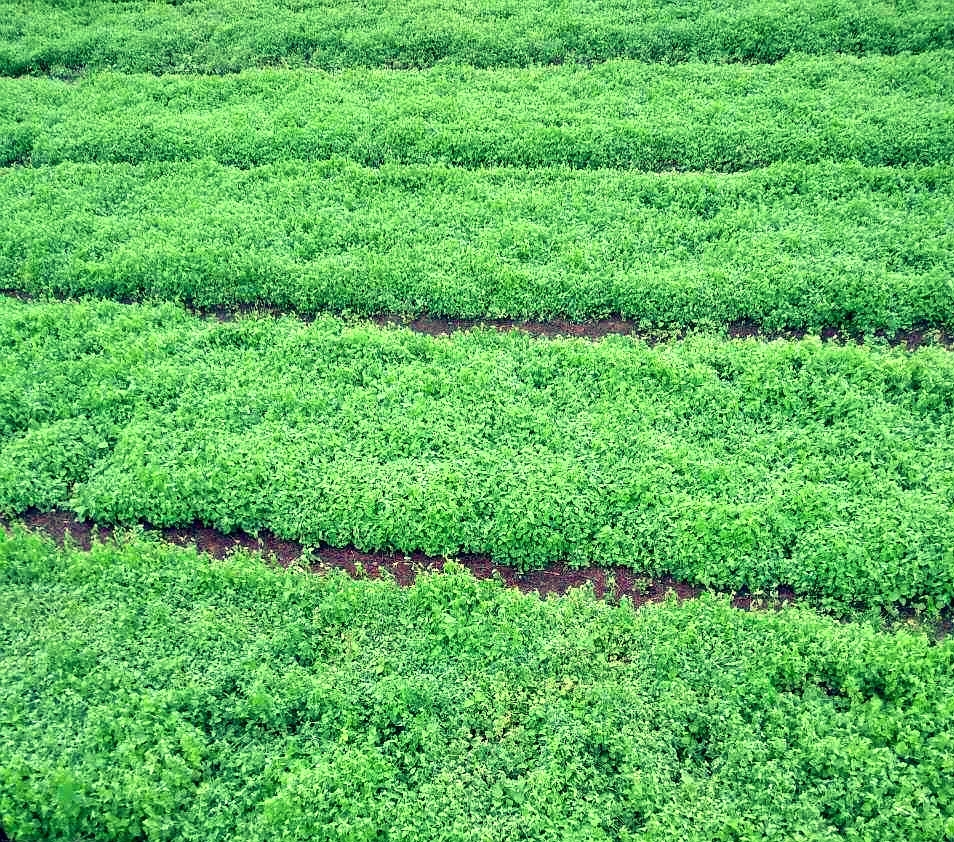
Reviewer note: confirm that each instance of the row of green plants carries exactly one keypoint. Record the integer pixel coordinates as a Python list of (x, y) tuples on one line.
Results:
[(879, 110), (823, 467), (787, 246), (219, 36), (150, 693)]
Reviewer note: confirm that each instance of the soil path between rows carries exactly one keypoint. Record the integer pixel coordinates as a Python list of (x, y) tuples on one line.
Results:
[(600, 328), (593, 329), (607, 582)]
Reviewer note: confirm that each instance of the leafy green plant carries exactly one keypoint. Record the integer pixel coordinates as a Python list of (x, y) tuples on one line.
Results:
[(823, 467), (785, 246), (876, 110), (222, 36), (147, 691)]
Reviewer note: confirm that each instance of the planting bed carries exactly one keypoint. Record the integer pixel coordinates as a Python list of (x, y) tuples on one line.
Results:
[(877, 111), (723, 462), (220, 36), (151, 693), (790, 246)]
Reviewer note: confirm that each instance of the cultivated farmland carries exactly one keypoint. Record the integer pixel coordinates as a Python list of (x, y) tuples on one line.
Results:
[(237, 246)]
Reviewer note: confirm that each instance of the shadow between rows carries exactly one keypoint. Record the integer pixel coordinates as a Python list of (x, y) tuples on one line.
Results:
[(596, 329)]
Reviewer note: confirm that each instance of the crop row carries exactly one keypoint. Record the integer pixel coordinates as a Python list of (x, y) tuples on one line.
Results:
[(827, 468), (150, 694), (225, 35), (877, 110), (788, 246)]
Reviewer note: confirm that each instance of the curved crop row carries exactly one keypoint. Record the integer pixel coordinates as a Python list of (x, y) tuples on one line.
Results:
[(219, 36), (826, 468), (785, 247), (151, 694), (877, 111)]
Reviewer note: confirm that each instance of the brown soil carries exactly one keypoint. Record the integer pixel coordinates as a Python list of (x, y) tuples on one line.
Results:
[(591, 329), (600, 328), (610, 582)]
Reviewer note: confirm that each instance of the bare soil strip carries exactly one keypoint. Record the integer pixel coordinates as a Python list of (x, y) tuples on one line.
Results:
[(593, 329), (607, 582), (610, 583), (600, 328)]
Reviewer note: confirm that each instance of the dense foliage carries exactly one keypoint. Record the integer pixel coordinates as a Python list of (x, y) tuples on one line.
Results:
[(369, 191), (823, 467), (877, 110), (220, 36), (151, 693), (683, 165), (788, 246)]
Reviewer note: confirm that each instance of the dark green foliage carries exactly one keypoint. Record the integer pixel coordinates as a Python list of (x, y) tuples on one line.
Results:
[(217, 36), (788, 246), (150, 693), (876, 110), (824, 467)]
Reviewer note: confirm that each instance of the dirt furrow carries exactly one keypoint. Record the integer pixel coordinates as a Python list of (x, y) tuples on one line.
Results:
[(606, 582), (600, 328), (593, 329)]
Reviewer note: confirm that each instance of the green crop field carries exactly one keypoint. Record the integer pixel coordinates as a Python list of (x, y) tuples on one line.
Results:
[(828, 469), (149, 694), (215, 218), (876, 110), (788, 246), (219, 36)]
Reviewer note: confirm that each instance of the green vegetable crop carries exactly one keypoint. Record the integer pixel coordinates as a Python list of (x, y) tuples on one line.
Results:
[(693, 168), (827, 468), (149, 693), (789, 246), (220, 36), (875, 110)]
